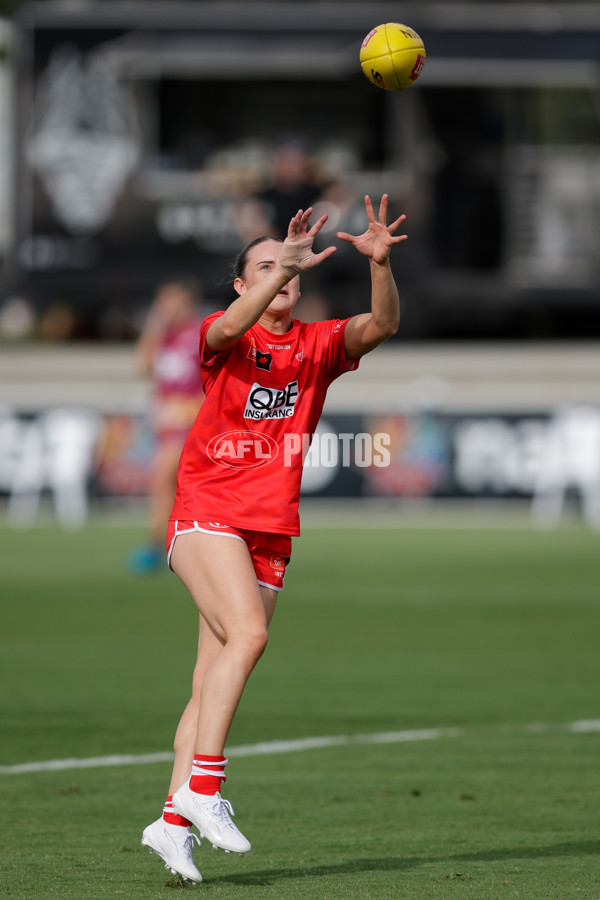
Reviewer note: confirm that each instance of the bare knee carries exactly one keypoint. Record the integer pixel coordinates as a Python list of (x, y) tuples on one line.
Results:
[(250, 643), (259, 641)]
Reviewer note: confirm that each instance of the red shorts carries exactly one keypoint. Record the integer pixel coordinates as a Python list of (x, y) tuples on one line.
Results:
[(270, 553)]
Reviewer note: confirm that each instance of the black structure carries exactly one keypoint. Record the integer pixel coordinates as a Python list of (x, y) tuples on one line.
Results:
[(143, 126)]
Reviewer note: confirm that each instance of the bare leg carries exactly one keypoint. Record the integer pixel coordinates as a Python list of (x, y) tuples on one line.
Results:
[(164, 474), (209, 646), (221, 670)]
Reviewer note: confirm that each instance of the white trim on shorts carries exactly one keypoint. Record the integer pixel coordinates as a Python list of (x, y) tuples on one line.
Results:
[(197, 527), (203, 530), (271, 586)]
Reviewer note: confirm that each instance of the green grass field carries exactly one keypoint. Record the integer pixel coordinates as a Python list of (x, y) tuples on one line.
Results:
[(491, 632)]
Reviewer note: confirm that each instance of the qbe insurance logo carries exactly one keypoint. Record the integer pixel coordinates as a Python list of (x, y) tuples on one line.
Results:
[(271, 403), (242, 449)]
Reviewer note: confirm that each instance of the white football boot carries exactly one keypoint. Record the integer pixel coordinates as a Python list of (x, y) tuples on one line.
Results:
[(174, 844), (212, 817)]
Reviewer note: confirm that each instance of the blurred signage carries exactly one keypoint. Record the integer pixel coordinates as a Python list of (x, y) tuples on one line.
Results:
[(130, 166), (53, 453), (6, 133), (78, 457), (144, 129), (84, 142)]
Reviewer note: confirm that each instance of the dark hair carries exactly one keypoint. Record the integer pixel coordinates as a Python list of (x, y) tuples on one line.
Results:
[(186, 283), (239, 264)]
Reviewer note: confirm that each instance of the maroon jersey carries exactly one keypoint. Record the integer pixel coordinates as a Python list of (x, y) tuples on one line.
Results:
[(176, 371)]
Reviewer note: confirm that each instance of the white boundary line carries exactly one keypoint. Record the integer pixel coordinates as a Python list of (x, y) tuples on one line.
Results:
[(262, 749), (269, 747)]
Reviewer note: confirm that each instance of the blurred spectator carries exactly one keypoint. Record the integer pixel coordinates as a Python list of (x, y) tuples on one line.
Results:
[(167, 351), (293, 186), (116, 323), (17, 319), (58, 322)]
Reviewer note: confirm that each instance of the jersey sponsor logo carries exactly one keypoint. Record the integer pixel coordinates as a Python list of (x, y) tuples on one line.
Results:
[(263, 360), (279, 346), (242, 449), (271, 403)]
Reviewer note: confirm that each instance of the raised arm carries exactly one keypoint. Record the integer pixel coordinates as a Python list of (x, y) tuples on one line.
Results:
[(365, 331), (294, 257)]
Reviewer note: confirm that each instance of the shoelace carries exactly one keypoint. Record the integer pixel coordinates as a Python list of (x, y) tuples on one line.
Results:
[(188, 843), (223, 810)]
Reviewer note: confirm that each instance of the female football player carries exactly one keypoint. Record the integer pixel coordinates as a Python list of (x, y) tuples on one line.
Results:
[(167, 351), (265, 378)]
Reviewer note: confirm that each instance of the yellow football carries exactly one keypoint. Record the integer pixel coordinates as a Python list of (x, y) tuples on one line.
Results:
[(392, 56)]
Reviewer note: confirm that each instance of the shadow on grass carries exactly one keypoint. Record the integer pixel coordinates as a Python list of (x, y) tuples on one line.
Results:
[(398, 863)]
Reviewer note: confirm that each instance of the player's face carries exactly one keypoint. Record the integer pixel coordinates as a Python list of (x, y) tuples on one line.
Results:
[(261, 260), (174, 303)]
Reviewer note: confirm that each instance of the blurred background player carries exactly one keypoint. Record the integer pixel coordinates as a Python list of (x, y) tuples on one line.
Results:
[(167, 352)]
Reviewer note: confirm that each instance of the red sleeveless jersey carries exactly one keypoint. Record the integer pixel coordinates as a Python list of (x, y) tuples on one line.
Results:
[(242, 460)]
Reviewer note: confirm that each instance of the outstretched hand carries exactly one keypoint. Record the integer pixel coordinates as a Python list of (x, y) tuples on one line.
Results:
[(378, 239), (296, 253)]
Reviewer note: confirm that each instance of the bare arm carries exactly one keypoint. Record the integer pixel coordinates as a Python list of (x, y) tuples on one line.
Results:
[(148, 343), (365, 331), (296, 256)]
